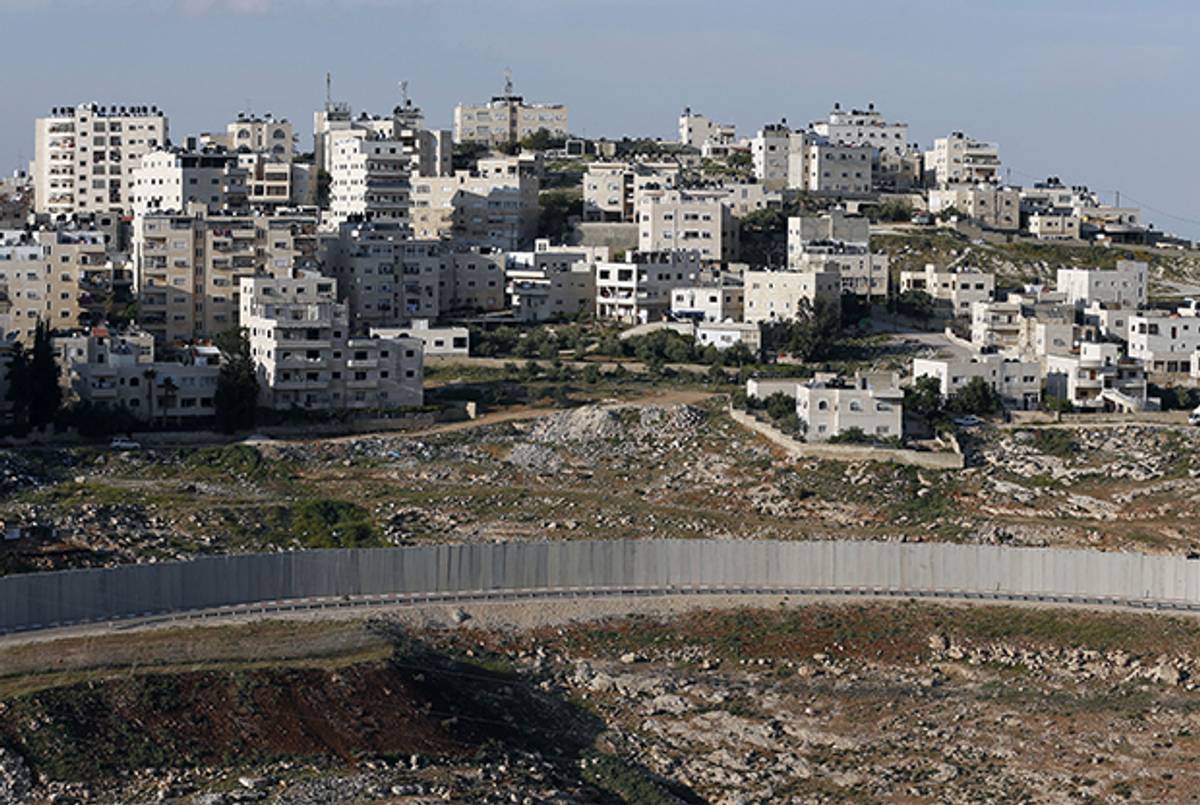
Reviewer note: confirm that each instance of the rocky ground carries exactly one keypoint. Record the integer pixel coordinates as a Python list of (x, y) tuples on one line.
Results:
[(820, 703), (597, 471)]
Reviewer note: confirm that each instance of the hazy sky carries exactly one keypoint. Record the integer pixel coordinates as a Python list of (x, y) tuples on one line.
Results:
[(1097, 92)]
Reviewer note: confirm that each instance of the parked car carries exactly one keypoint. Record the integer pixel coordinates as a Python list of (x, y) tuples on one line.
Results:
[(968, 421), (122, 443), (1194, 417)]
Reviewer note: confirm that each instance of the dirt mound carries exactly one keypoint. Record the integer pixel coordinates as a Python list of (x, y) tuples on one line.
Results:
[(593, 423), (195, 719)]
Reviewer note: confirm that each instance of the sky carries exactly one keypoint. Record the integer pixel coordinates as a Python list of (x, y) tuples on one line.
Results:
[(1096, 92)]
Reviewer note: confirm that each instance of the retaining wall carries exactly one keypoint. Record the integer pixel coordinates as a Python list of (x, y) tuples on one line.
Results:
[(270, 582)]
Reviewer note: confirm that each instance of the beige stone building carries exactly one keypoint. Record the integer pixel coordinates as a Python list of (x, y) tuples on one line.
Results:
[(779, 295), (611, 189), (188, 267), (989, 205), (690, 220), (829, 406), (638, 290), (306, 358), (85, 156), (959, 287), (838, 242), (1126, 284), (508, 118), (1018, 382), (493, 206), (171, 179)]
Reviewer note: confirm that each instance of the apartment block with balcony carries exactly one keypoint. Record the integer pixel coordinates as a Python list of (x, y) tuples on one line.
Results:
[(690, 220), (1165, 340), (552, 282), (85, 156), (717, 302), (780, 295), (507, 119), (188, 267), (370, 180), (306, 358), (638, 290), (611, 189), (171, 180), (838, 242), (988, 205), (1098, 378), (493, 206), (960, 159), (1125, 285)]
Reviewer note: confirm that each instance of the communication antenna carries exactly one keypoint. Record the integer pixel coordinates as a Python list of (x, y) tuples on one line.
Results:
[(508, 85), (328, 88), (404, 92)]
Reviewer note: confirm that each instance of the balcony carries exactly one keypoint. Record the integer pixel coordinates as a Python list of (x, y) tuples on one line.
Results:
[(362, 363)]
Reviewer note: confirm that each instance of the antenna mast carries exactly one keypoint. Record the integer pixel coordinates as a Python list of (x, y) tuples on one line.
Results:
[(508, 85), (328, 90)]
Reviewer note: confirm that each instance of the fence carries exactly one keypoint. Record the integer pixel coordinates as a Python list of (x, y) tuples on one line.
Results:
[(270, 582)]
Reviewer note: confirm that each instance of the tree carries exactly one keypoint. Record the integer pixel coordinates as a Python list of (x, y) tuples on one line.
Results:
[(924, 398), (33, 386), (810, 335), (324, 182), (236, 397), (556, 208), (541, 140), (948, 212), (977, 397), (916, 305)]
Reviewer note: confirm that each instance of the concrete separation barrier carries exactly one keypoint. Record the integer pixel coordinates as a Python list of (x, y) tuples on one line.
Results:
[(847, 452), (265, 583)]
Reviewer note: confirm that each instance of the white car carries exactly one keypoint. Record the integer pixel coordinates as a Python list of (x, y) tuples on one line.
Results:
[(1194, 417), (121, 443)]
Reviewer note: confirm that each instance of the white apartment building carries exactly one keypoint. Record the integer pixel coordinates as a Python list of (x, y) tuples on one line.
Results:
[(829, 407), (989, 205), (300, 342), (85, 156), (1018, 382), (836, 241), (1024, 325), (1109, 321), (770, 150), (188, 266), (553, 282), (437, 342), (697, 220), (1164, 340), (779, 295), (494, 206), (959, 159), (431, 151), (169, 180), (708, 303), (370, 180), (863, 127), (960, 287), (638, 290), (1097, 378), (697, 131), (507, 119), (726, 334), (119, 371), (1125, 285), (819, 165)]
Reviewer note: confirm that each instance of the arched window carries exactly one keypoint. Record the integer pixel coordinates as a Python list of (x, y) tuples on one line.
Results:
[(823, 406)]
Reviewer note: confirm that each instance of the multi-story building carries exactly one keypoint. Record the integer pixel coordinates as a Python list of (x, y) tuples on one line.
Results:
[(1025, 325), (62, 276), (717, 302), (1124, 285), (819, 165), (989, 205), (863, 127), (711, 139), (1164, 340), (86, 155), (698, 220), (838, 242), (187, 267), (638, 290), (959, 159), (829, 407), (437, 342), (431, 150), (171, 179), (726, 334), (120, 371), (369, 180), (306, 358), (779, 295), (495, 205), (770, 150), (1098, 377), (508, 119), (553, 282), (1018, 382), (960, 287), (1054, 224), (611, 189), (257, 134)]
